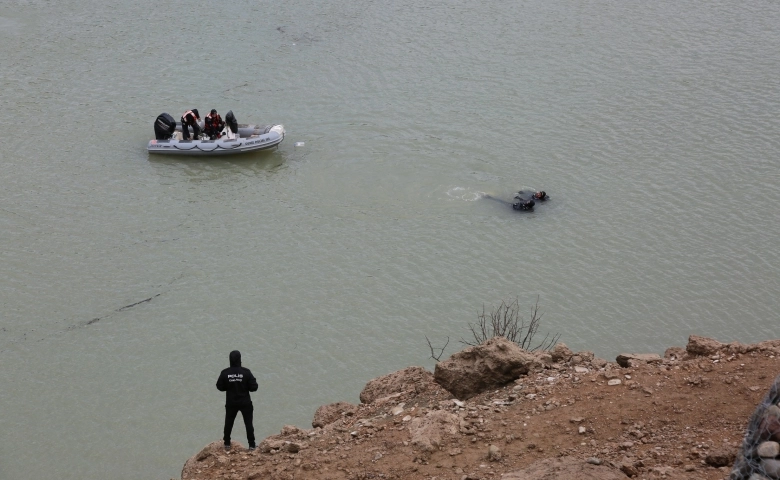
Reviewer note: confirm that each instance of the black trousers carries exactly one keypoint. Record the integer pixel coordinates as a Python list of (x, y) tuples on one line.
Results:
[(185, 132), (230, 416)]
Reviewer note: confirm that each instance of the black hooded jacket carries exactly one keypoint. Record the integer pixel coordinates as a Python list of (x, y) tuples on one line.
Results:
[(236, 382)]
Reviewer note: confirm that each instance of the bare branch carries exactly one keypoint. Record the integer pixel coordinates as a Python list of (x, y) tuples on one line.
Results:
[(441, 351), (506, 321)]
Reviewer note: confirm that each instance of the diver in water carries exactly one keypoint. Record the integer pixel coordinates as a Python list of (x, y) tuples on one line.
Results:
[(522, 204), (541, 195), (523, 201)]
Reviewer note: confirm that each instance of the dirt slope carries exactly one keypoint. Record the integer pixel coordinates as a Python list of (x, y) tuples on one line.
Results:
[(680, 418)]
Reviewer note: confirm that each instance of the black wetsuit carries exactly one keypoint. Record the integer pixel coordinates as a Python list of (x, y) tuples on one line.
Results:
[(237, 382), (523, 201), (517, 204)]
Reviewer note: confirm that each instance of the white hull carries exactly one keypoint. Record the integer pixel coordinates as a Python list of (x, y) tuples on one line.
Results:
[(259, 139)]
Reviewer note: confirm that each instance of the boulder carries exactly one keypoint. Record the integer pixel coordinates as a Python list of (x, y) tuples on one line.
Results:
[(635, 359), (492, 364), (328, 414), (561, 353), (565, 467), (703, 346), (428, 432), (415, 381)]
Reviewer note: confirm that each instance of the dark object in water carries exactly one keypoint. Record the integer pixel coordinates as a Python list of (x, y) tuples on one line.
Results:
[(518, 204), (524, 201), (763, 429), (541, 196), (524, 205)]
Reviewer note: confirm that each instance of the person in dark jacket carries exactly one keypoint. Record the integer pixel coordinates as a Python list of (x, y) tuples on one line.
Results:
[(190, 118), (213, 125), (237, 382)]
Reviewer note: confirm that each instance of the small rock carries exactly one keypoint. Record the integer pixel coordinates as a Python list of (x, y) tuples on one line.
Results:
[(720, 458), (407, 418), (594, 461), (771, 467), (629, 359), (494, 453), (614, 381), (576, 420), (293, 447), (397, 409), (756, 476), (629, 469), (768, 449), (579, 369), (582, 430)]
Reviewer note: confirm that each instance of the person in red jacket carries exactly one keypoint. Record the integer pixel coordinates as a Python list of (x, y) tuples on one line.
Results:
[(214, 124), (237, 382), (190, 118)]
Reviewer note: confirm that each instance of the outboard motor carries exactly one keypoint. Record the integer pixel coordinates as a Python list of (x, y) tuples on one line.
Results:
[(164, 127), (231, 122)]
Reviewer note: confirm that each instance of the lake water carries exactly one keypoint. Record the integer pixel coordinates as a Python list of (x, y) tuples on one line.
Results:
[(127, 278)]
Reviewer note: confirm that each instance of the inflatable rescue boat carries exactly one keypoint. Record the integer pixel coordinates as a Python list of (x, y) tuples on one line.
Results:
[(234, 138)]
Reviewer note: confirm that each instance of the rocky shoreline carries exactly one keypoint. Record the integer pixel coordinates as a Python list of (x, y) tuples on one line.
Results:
[(496, 411)]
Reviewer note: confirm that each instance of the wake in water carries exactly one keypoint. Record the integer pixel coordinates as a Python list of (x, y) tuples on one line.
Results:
[(465, 194)]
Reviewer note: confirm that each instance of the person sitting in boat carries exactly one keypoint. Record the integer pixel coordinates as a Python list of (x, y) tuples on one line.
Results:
[(214, 124), (541, 195), (190, 119)]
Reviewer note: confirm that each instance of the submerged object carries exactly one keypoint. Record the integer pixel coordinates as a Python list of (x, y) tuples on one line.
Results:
[(517, 204), (523, 201), (235, 138)]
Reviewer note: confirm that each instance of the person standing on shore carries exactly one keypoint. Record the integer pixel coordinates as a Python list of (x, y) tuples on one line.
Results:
[(237, 382)]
